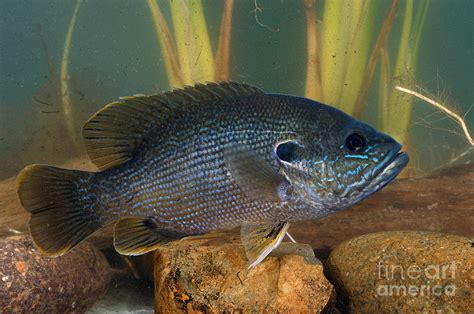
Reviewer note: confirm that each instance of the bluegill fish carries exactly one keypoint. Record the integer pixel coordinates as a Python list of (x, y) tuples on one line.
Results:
[(207, 158)]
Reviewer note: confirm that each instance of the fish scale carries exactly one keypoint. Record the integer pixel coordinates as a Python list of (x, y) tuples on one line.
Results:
[(207, 158), (174, 173)]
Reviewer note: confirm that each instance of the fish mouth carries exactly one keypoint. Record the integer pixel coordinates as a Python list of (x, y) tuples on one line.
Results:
[(387, 170)]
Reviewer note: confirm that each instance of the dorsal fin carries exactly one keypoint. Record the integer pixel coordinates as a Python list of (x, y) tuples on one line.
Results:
[(113, 135)]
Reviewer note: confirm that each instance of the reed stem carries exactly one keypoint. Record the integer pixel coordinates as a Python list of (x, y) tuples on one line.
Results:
[(379, 43), (168, 48), (362, 30), (203, 60), (64, 77), (384, 85), (192, 41), (400, 105), (183, 37), (313, 87), (222, 67), (331, 60)]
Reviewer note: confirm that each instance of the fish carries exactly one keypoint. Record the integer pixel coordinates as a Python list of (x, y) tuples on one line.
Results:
[(205, 158)]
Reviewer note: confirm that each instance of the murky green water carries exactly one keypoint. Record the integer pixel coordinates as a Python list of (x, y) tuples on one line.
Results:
[(115, 51)]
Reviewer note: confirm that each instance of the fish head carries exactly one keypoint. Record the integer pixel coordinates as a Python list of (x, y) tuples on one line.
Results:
[(338, 166)]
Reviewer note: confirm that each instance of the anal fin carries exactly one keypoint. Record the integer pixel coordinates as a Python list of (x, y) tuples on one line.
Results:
[(139, 235), (261, 239)]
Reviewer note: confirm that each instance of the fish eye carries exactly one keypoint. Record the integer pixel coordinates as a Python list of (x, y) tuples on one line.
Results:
[(286, 151), (355, 142)]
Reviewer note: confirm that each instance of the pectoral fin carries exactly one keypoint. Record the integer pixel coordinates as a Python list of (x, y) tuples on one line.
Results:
[(254, 175), (139, 235), (261, 239)]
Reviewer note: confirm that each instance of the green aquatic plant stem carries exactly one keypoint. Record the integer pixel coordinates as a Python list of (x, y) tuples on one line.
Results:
[(180, 14), (419, 24), (374, 55), (399, 110), (192, 41), (330, 47), (362, 28), (313, 87), (168, 49), (384, 85), (65, 78), (400, 105), (222, 67), (203, 59)]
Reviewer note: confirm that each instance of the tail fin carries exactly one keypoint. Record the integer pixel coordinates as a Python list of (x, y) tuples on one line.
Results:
[(61, 214)]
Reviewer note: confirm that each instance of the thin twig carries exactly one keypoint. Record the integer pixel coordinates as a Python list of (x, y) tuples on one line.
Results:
[(259, 9), (443, 108)]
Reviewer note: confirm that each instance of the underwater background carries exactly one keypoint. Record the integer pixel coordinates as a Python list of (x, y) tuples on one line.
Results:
[(114, 50), (61, 61)]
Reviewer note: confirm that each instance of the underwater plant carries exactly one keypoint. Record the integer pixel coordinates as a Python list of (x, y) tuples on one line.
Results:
[(187, 51), (449, 112), (342, 70), (65, 78), (399, 105), (346, 42), (342, 53)]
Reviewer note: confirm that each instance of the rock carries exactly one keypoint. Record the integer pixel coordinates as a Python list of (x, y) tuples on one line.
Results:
[(33, 283), (403, 271), (212, 275)]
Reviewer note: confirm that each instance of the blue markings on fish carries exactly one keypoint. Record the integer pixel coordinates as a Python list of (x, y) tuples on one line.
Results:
[(207, 158)]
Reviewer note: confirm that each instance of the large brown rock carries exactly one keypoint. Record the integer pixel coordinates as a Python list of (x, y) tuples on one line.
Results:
[(212, 276), (404, 271), (33, 283)]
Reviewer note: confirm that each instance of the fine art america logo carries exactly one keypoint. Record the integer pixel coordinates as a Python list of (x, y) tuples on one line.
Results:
[(415, 280)]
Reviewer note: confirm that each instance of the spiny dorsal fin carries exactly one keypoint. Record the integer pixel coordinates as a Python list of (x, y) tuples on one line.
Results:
[(113, 135)]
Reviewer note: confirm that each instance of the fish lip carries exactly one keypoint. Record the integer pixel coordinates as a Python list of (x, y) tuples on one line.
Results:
[(389, 170), (391, 157), (396, 164)]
